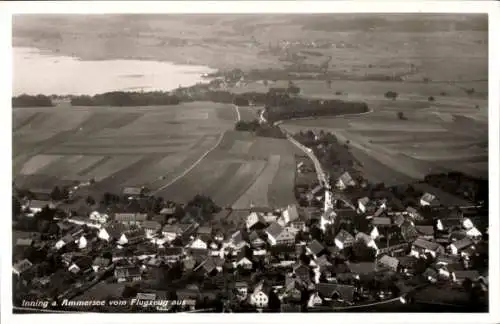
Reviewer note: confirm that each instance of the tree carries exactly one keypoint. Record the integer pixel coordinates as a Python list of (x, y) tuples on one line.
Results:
[(329, 83), (401, 116), (56, 194), (431, 98), (16, 208)]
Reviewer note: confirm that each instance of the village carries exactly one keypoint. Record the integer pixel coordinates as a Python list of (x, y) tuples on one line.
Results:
[(345, 245)]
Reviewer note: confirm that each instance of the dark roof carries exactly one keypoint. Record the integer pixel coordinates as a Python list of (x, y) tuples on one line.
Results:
[(408, 231), (463, 243), (421, 243), (171, 229), (327, 290), (425, 230), (467, 274), (381, 221), (399, 220), (407, 261), (323, 261), (361, 267), (344, 236), (316, 247), (151, 225), (206, 230), (169, 251), (274, 229), (237, 237), (101, 262), (293, 213)]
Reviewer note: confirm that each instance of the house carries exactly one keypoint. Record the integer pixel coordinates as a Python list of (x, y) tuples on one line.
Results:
[(314, 300), (302, 271), (198, 243), (387, 262), (112, 232), (151, 228), (343, 239), (409, 231), (81, 242), (101, 218), (428, 199), (133, 192), (366, 239), (243, 259), (460, 245), (449, 224), (260, 296), (290, 214), (361, 268), (208, 267), (381, 222), (255, 221), (406, 264), (255, 240), (425, 231), (363, 204), (171, 254), (167, 211), (100, 263), (130, 218), (460, 276), (132, 236), (171, 232), (65, 240), (399, 220), (277, 234), (421, 247), (344, 181), (21, 267), (36, 206), (204, 232), (323, 263), (336, 292), (128, 273), (315, 249), (237, 242), (241, 288), (413, 213), (474, 234), (24, 242), (430, 275), (81, 265)]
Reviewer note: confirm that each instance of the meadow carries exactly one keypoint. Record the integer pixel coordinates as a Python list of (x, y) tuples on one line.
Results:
[(175, 151)]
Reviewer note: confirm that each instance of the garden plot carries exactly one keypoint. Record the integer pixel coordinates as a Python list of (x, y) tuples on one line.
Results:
[(281, 191), (38, 163), (113, 165)]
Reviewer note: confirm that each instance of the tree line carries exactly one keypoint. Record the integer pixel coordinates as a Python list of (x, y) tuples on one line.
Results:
[(25, 100), (121, 98)]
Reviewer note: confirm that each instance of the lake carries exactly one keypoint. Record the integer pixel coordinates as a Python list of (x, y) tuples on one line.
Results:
[(42, 72)]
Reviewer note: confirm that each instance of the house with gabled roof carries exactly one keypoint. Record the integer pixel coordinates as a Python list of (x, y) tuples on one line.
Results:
[(132, 236), (255, 221), (449, 224), (409, 231), (413, 213), (198, 243), (460, 276), (132, 192), (100, 263), (256, 241), (302, 271), (276, 234), (361, 268), (458, 246), (344, 181), (130, 218), (363, 204), (237, 242), (421, 247), (290, 214), (171, 232), (366, 239), (316, 249), (151, 228), (336, 292), (428, 199), (343, 239), (21, 267), (128, 274), (425, 231)]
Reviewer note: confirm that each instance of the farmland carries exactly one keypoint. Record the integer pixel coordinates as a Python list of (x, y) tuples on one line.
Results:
[(176, 151), (449, 133)]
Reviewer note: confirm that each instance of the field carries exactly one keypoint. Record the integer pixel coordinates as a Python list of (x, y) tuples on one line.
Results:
[(450, 133), (176, 151)]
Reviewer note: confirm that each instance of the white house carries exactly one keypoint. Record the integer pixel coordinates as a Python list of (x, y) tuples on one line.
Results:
[(245, 263), (374, 233), (474, 233), (22, 266), (314, 301), (260, 296), (367, 240), (344, 181), (343, 239), (363, 204), (458, 246), (254, 219), (82, 242), (99, 217), (327, 218), (198, 243), (427, 199), (290, 214)]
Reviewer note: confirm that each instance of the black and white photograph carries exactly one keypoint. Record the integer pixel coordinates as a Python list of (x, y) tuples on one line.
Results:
[(250, 162)]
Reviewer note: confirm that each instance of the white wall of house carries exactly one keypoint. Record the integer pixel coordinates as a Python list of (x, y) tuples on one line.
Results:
[(271, 239), (453, 249), (123, 240), (104, 235), (259, 299), (60, 244), (82, 242), (339, 244), (314, 300), (169, 236), (374, 233), (424, 203), (198, 244)]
